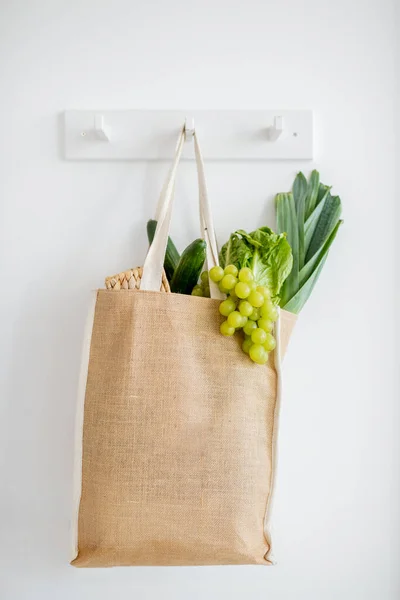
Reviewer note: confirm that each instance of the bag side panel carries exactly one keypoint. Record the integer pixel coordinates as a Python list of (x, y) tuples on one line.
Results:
[(78, 440)]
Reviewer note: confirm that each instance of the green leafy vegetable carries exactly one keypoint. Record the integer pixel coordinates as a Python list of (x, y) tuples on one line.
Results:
[(266, 253), (300, 197), (315, 261), (326, 223), (287, 222), (311, 223), (312, 193), (310, 216), (297, 302)]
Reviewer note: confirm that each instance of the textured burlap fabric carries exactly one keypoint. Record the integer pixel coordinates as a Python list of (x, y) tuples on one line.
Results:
[(177, 437)]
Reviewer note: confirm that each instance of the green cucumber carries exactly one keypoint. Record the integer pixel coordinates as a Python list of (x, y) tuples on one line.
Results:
[(172, 257), (189, 268)]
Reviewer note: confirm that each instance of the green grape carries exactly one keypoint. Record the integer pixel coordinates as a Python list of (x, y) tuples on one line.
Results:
[(226, 329), (242, 289), (264, 291), (269, 343), (258, 354), (233, 296), (216, 274), (258, 336), (269, 311), (252, 285), (206, 291), (231, 270), (266, 325), (222, 289), (229, 282), (255, 315), (266, 308), (256, 299), (197, 291), (246, 345), (244, 320), (249, 327), (245, 308), (204, 278), (246, 275), (226, 307), (235, 319)]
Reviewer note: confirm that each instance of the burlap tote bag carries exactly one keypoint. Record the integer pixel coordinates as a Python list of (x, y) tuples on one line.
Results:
[(176, 427)]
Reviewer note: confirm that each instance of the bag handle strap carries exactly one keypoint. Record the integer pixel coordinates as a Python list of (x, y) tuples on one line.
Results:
[(153, 264)]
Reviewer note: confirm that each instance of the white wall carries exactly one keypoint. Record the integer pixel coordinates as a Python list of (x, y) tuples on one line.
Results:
[(68, 225)]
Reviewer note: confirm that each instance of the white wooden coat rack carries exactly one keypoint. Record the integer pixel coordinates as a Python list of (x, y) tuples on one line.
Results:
[(224, 135)]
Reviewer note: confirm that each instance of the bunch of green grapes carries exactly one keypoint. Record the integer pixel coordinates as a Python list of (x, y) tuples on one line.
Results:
[(248, 307), (202, 288)]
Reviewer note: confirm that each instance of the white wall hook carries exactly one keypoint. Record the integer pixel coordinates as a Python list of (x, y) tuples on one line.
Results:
[(275, 131), (99, 129), (189, 129)]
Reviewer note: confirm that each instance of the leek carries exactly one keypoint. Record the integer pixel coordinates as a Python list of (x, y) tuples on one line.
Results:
[(310, 217)]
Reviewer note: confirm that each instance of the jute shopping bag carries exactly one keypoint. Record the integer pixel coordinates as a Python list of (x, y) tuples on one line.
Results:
[(176, 427)]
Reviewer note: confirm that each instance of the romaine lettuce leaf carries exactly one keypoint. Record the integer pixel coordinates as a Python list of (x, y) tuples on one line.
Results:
[(266, 253)]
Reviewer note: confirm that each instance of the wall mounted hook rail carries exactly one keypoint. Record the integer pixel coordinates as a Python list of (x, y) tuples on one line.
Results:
[(224, 134)]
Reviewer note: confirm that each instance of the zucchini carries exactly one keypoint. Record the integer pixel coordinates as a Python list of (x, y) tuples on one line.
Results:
[(172, 257), (190, 265)]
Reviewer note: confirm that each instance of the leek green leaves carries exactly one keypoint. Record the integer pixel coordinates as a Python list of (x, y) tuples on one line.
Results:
[(310, 217)]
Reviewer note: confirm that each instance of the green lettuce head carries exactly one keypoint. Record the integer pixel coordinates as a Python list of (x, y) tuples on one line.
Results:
[(266, 253)]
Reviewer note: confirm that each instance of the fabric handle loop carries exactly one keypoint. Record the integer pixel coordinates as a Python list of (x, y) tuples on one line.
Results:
[(153, 264)]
